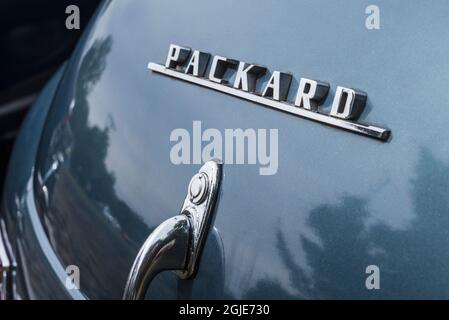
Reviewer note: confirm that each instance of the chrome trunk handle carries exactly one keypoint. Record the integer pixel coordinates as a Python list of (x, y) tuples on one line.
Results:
[(177, 243)]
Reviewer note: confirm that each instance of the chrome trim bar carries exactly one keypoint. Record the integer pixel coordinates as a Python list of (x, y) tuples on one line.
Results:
[(363, 129), (8, 266), (44, 243)]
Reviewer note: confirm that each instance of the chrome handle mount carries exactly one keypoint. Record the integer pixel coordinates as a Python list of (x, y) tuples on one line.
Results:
[(177, 243)]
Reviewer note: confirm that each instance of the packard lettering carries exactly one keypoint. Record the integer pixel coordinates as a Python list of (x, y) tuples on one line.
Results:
[(240, 79)]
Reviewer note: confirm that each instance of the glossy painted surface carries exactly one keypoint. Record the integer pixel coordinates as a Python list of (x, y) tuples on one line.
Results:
[(40, 274), (338, 203)]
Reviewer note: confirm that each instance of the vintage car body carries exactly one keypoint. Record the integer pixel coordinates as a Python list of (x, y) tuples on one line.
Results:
[(90, 177)]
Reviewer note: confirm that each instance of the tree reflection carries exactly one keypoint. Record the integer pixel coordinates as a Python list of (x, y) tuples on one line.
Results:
[(413, 261), (90, 226)]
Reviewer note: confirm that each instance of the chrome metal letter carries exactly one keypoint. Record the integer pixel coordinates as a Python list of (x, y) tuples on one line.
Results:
[(278, 86), (247, 75), (348, 103), (177, 55), (198, 63), (219, 67), (311, 93)]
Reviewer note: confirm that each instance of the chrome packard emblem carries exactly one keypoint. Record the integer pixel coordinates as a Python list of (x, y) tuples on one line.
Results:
[(347, 105)]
